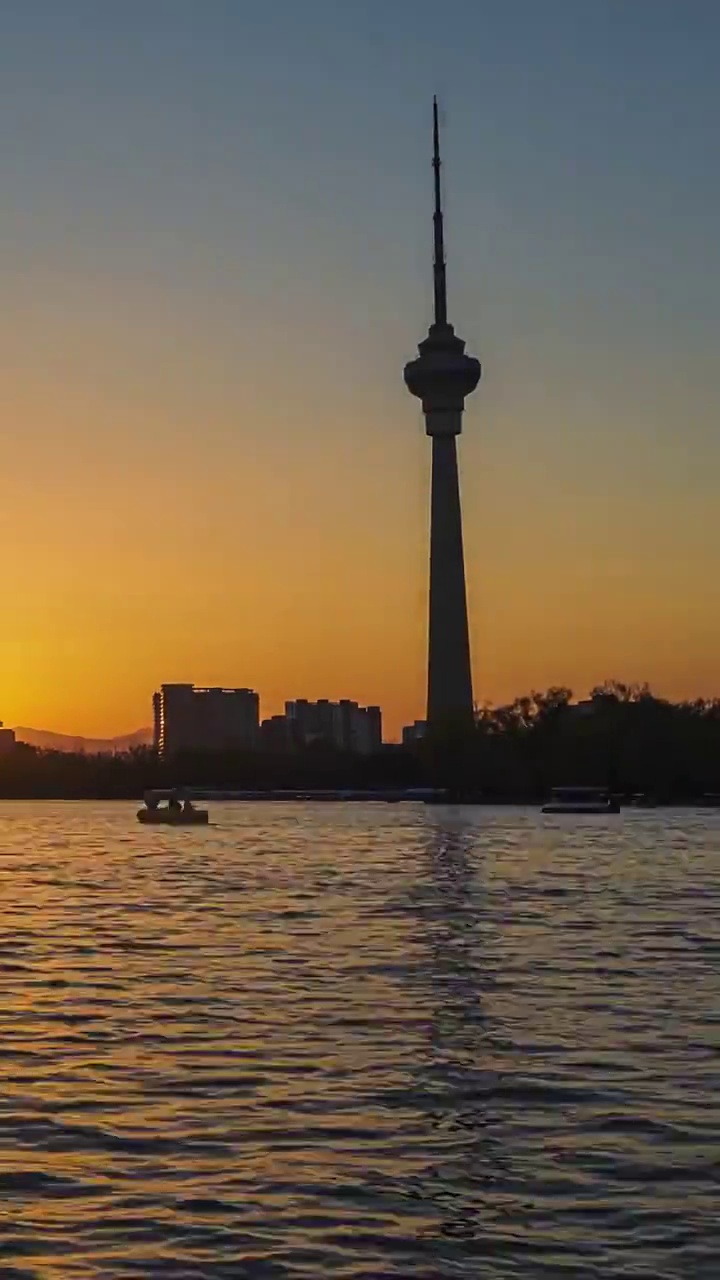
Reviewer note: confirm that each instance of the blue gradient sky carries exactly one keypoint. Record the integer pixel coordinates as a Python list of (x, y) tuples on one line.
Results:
[(216, 257)]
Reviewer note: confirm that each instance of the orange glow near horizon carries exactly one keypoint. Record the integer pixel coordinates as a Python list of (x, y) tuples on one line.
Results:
[(300, 570)]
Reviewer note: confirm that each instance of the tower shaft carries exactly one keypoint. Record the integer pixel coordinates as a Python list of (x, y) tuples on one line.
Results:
[(449, 688)]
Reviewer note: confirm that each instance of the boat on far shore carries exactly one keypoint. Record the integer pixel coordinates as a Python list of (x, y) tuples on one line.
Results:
[(581, 800), (710, 800), (643, 800)]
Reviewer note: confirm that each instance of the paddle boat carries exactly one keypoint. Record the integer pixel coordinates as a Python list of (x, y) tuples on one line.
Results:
[(176, 813)]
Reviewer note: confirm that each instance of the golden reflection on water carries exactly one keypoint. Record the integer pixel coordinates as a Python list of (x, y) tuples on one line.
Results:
[(358, 1040)]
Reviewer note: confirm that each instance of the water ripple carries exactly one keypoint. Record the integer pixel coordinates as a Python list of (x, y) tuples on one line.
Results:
[(361, 1042)]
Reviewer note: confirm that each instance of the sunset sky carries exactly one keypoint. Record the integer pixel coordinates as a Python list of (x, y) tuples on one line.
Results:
[(215, 239)]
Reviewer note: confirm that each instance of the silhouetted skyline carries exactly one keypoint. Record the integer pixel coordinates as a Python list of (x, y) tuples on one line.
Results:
[(214, 262)]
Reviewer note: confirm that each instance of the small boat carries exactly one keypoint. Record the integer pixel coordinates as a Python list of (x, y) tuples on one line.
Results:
[(174, 817), (173, 814), (581, 800)]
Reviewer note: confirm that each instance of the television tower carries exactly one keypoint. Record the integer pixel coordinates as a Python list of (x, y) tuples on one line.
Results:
[(441, 377)]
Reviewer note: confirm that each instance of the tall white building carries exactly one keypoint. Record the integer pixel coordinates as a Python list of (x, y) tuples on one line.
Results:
[(343, 725), (187, 718)]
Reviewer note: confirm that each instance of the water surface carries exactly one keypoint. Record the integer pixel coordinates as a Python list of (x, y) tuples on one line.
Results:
[(359, 1041)]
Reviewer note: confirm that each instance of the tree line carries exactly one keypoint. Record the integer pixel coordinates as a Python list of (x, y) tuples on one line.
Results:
[(623, 737)]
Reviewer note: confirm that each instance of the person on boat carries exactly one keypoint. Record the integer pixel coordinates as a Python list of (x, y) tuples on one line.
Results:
[(188, 806), (174, 804)]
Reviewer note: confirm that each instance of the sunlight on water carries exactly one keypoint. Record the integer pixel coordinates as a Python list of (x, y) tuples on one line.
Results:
[(359, 1041)]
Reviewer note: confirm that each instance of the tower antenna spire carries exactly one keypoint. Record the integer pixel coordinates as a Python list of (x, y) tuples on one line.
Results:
[(439, 278)]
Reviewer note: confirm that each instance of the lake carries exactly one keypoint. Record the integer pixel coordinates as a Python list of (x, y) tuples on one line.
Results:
[(359, 1041)]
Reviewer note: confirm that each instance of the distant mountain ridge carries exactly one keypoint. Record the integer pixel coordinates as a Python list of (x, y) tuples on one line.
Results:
[(48, 741)]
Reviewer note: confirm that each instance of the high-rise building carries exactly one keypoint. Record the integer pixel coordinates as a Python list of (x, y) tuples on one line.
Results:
[(275, 734), (190, 719), (343, 725), (7, 740), (414, 733), (442, 376)]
